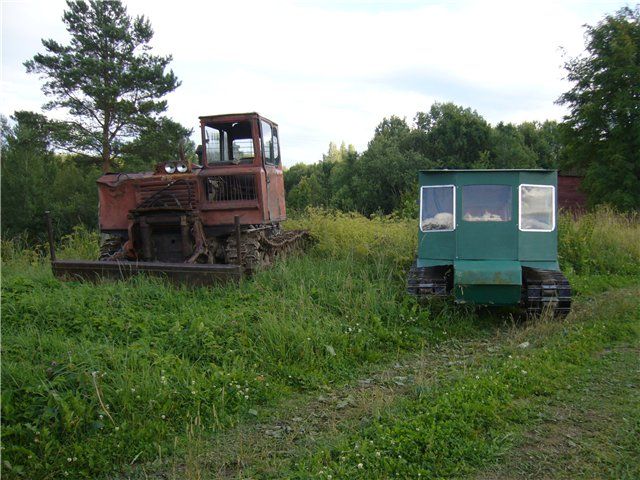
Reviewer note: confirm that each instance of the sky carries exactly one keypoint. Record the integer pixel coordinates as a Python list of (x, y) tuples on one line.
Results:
[(330, 71)]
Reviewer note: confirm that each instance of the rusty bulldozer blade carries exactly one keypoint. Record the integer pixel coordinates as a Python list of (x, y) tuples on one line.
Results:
[(179, 273), (197, 274)]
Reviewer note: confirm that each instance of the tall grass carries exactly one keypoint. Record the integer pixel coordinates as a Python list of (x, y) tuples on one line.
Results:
[(100, 376), (338, 234), (95, 377), (600, 242)]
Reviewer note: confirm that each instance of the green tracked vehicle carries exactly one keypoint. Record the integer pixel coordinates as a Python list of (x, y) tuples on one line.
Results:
[(489, 237)]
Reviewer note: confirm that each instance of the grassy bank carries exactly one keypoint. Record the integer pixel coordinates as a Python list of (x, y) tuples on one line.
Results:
[(96, 378)]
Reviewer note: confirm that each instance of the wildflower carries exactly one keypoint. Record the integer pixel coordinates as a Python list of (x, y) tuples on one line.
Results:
[(133, 390), (378, 454), (360, 466), (69, 459), (193, 392), (163, 416), (117, 428)]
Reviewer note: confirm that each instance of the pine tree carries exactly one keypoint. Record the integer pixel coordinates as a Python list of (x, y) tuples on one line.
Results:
[(105, 78)]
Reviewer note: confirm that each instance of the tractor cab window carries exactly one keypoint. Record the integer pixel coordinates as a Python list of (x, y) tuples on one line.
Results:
[(270, 143), (437, 208), (486, 203), (215, 141), (537, 208), (229, 142)]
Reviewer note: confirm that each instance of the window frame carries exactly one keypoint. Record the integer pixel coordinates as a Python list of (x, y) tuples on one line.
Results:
[(553, 208), (422, 188)]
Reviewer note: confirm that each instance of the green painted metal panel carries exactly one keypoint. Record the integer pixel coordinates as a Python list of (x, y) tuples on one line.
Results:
[(431, 262), (499, 295), (487, 282), (436, 245), (539, 246), (487, 272), (487, 240)]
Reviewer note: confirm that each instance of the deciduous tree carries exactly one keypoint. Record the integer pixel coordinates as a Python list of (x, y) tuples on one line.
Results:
[(602, 130)]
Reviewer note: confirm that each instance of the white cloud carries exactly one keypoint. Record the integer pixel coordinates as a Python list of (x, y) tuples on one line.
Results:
[(332, 72)]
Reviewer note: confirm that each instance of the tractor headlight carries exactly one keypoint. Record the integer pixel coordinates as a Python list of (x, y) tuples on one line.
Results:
[(169, 168), (182, 167)]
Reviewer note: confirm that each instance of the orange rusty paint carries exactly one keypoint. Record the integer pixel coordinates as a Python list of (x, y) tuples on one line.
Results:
[(119, 192)]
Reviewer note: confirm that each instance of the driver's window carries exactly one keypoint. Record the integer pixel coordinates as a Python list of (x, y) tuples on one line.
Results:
[(276, 147), (216, 145), (267, 143)]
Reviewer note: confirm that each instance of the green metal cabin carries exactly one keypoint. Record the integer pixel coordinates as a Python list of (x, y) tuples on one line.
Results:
[(490, 237)]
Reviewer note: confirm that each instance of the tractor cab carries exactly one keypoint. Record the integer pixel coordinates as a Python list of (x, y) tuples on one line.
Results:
[(489, 237)]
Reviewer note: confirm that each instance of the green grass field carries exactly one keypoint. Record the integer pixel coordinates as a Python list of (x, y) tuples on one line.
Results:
[(139, 378)]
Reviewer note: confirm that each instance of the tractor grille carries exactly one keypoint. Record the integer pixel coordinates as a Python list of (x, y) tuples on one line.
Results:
[(177, 194), (231, 187)]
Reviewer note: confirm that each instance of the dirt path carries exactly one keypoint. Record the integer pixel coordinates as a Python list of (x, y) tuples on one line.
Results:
[(588, 433), (309, 423)]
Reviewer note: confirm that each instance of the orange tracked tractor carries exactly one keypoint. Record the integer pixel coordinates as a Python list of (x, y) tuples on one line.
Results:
[(196, 223)]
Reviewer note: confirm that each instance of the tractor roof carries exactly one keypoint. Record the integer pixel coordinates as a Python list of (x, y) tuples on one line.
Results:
[(234, 117), (454, 170)]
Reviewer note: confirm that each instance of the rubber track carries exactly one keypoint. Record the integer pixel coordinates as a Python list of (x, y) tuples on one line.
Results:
[(546, 289), (423, 284), (260, 248)]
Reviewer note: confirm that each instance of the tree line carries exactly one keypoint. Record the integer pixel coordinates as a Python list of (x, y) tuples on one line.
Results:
[(112, 88), (383, 178)]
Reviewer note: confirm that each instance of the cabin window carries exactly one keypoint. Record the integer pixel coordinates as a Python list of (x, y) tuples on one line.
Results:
[(216, 141), (242, 148), (276, 147), (437, 208), (229, 142), (486, 203), (537, 208), (267, 143)]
